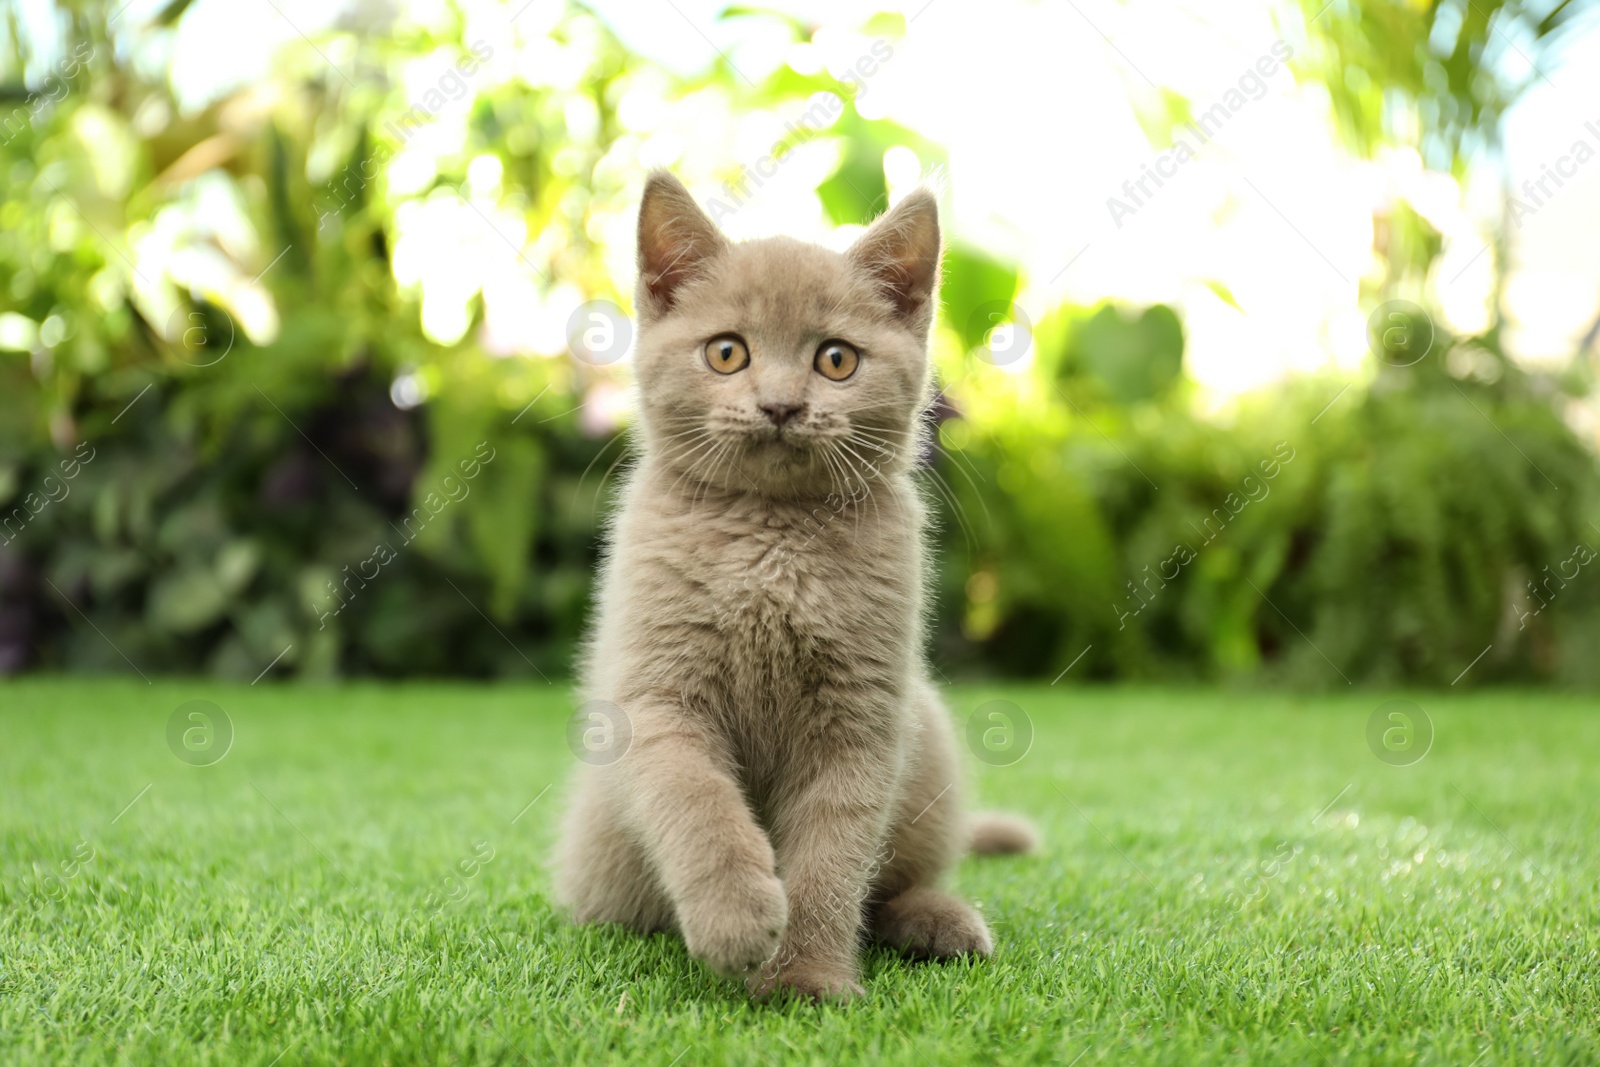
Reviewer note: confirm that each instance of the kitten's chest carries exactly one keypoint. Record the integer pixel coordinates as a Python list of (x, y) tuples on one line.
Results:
[(801, 584), (767, 602)]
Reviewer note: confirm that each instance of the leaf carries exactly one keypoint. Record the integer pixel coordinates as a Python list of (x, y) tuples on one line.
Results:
[(170, 14), (237, 564), (1135, 359), (976, 289), (186, 601), (857, 192), (1224, 294)]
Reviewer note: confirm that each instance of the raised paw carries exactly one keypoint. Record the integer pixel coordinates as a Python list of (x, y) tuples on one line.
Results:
[(812, 979), (929, 923), (738, 926)]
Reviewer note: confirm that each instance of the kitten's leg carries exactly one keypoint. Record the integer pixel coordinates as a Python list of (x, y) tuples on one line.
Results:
[(829, 826), (908, 911), (602, 872), (714, 862)]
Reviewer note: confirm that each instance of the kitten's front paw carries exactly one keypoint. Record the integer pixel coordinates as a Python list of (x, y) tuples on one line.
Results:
[(812, 979), (739, 927)]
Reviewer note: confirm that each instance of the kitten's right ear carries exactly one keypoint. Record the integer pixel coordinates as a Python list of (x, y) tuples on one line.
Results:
[(676, 242), (900, 252)]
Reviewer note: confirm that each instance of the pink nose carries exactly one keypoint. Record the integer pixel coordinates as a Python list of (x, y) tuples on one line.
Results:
[(780, 414)]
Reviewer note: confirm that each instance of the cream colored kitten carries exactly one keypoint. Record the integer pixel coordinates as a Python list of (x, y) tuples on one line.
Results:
[(790, 772)]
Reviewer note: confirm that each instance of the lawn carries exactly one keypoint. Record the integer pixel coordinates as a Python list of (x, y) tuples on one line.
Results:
[(1227, 877)]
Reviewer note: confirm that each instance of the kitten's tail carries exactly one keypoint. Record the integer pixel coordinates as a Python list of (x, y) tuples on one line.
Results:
[(992, 833)]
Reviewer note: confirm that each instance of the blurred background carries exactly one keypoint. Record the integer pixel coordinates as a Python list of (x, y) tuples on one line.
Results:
[(1266, 352)]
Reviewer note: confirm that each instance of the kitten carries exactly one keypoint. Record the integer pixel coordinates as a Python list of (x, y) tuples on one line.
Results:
[(790, 774)]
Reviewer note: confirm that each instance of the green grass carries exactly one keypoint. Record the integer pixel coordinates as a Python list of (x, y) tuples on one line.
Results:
[(1226, 878)]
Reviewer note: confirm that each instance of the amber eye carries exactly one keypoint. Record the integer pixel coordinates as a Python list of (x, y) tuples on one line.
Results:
[(837, 360), (727, 354)]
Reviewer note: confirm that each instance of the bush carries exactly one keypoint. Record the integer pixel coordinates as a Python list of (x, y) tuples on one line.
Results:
[(1383, 534)]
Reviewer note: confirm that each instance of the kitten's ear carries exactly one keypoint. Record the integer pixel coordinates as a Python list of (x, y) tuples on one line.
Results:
[(901, 253), (676, 241)]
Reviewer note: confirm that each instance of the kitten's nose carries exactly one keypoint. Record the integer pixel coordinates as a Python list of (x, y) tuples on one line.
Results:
[(780, 414)]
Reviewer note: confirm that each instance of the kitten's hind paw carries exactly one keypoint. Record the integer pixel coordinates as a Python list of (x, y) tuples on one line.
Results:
[(925, 922)]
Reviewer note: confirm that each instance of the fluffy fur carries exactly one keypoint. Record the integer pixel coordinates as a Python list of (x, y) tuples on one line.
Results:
[(791, 778)]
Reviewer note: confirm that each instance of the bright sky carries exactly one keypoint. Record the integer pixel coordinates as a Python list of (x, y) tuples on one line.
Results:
[(1032, 102)]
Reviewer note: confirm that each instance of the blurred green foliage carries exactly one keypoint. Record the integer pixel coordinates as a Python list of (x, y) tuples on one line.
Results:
[(275, 462), (1456, 65), (1324, 536)]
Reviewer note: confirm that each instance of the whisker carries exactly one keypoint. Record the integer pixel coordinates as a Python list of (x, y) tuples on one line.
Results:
[(961, 457), (848, 456), (831, 462), (683, 433), (877, 444), (884, 435), (624, 454), (697, 479), (603, 449), (866, 464), (987, 518), (875, 407), (886, 450), (956, 509), (848, 498), (689, 449), (724, 451), (688, 469)]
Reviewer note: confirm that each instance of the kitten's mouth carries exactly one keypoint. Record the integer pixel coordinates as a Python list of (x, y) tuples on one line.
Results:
[(776, 436), (779, 445)]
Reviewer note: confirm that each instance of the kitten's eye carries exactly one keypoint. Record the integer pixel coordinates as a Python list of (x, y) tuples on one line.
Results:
[(837, 360), (727, 354)]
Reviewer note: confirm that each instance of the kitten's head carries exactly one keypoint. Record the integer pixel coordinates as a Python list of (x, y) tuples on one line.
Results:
[(778, 367)]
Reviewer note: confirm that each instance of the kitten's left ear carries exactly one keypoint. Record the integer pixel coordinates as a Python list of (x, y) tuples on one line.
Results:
[(901, 253), (676, 241)]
